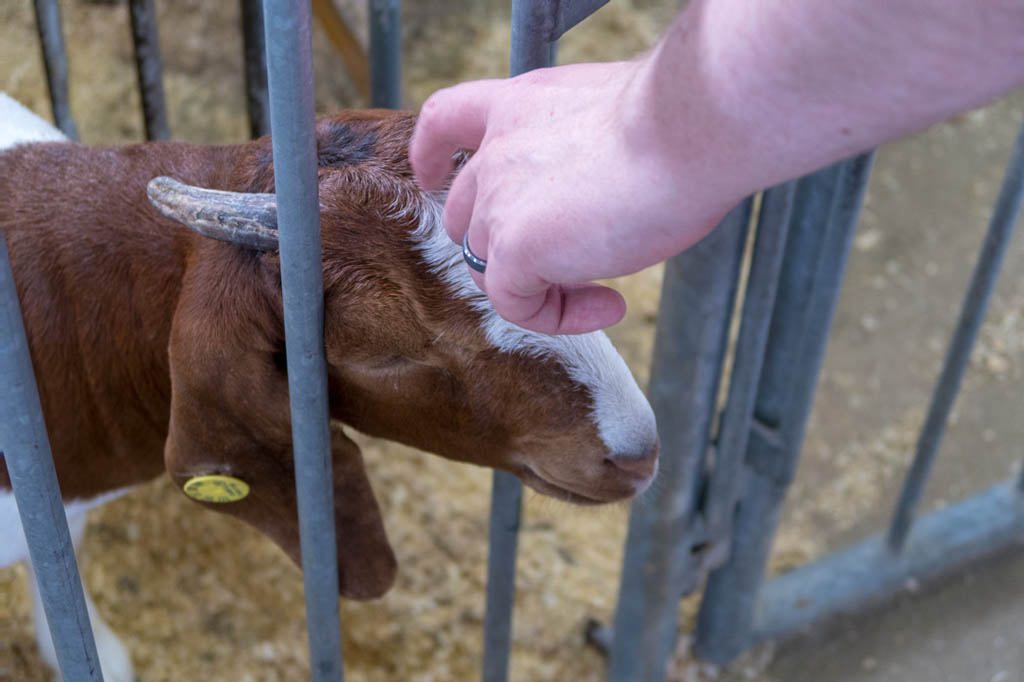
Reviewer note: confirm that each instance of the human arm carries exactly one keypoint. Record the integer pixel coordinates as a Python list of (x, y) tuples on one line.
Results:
[(591, 171)]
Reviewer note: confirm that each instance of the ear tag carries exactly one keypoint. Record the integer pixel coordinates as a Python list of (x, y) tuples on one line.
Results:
[(216, 489)]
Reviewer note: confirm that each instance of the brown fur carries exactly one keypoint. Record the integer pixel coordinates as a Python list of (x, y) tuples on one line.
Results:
[(157, 349)]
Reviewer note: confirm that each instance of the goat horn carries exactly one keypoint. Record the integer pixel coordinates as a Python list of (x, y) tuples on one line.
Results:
[(236, 217)]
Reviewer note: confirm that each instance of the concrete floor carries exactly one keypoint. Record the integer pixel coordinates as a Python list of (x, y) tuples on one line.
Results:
[(970, 629), (929, 202)]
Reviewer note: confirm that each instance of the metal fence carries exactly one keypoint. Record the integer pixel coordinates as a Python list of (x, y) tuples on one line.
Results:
[(715, 512), (721, 523)]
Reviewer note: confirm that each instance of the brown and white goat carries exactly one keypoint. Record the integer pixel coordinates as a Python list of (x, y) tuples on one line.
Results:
[(159, 349)]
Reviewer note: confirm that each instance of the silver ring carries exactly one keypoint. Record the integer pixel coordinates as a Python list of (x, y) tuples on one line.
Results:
[(478, 264)]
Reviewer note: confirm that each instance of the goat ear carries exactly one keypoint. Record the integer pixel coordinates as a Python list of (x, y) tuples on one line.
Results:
[(229, 416), (366, 562), (246, 219)]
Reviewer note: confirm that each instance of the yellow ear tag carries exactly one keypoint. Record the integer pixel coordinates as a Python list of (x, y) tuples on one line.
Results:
[(216, 489)]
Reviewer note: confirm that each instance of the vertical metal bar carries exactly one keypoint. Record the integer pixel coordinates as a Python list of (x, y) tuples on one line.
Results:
[(571, 12), (531, 47), (697, 297), (813, 268), (548, 20), (26, 449), (56, 63), (758, 304), (972, 314), (386, 54), (150, 71), (529, 51), (292, 121), (506, 503), (255, 68)]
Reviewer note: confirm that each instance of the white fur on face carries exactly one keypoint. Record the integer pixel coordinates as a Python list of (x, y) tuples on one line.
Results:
[(624, 419)]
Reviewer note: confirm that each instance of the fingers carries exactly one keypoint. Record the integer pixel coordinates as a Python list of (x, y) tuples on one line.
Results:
[(458, 118), (458, 207), (458, 217), (517, 294), (451, 119)]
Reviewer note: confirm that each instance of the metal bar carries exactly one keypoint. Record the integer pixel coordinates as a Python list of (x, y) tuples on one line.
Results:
[(506, 503), (26, 450), (386, 54), (972, 314), (697, 297), (292, 122), (255, 68), (549, 20), (529, 51), (572, 12), (56, 62), (147, 62), (812, 273), (734, 430), (867, 574)]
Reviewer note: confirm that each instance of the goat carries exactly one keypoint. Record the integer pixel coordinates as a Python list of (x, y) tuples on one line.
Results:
[(158, 348)]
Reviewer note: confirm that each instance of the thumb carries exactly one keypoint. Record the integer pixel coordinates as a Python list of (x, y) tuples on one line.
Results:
[(553, 308)]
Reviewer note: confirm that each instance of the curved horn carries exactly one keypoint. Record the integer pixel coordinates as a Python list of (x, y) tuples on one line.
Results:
[(236, 217)]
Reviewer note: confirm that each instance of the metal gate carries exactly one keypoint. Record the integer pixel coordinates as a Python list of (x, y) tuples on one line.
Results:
[(716, 514), (718, 518)]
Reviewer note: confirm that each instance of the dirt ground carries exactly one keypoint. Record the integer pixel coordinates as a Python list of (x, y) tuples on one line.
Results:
[(197, 596)]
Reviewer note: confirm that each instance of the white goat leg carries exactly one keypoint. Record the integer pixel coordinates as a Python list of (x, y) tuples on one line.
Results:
[(115, 662)]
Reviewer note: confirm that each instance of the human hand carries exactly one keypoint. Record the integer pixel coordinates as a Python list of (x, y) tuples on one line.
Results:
[(598, 170), (568, 184)]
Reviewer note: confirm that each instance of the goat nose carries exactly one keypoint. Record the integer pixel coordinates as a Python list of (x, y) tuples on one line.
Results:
[(641, 463)]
